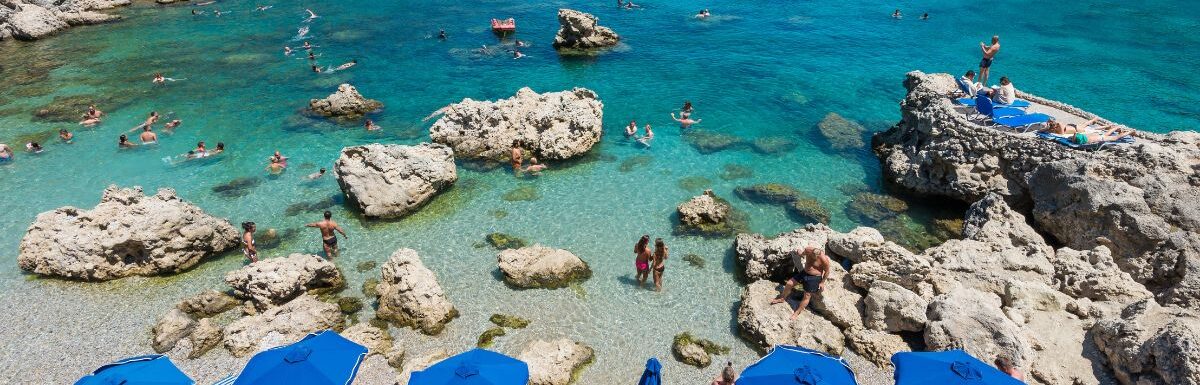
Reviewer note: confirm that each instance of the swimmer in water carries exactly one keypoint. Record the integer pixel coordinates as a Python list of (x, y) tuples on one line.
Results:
[(153, 118), (896, 15), (172, 124), (441, 34), (276, 166), (159, 79), (535, 168), (148, 137), (311, 15), (925, 16), (263, 8), (197, 13), (34, 147), (371, 126), (519, 43), (92, 116), (278, 158), (311, 57), (317, 174), (65, 135), (316, 69), (307, 46), (631, 129), (704, 13), (123, 142), (217, 12), (287, 51), (352, 63), (200, 151), (220, 148), (684, 121), (686, 110), (645, 140), (517, 54), (6, 153)]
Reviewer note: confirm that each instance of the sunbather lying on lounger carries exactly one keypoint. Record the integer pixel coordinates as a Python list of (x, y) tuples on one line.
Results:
[(1113, 134), (1057, 128)]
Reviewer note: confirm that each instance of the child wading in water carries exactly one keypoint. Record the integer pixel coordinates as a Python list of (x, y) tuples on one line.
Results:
[(641, 260)]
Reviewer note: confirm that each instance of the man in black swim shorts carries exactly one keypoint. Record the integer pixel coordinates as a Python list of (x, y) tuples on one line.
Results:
[(812, 268), (989, 53), (328, 237)]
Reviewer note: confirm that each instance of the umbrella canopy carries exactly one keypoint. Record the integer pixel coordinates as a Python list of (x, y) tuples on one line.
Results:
[(653, 373), (154, 369), (474, 367), (323, 358), (949, 367), (792, 365)]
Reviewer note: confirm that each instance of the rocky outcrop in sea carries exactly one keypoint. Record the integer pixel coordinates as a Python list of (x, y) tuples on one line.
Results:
[(391, 180), (344, 103), (538, 266), (409, 295), (274, 281), (128, 233), (549, 126), (579, 30), (35, 19)]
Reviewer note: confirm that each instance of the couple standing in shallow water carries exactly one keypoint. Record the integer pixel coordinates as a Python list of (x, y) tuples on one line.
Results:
[(644, 261)]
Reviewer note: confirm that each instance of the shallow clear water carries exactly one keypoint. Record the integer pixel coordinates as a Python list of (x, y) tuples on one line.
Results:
[(754, 70)]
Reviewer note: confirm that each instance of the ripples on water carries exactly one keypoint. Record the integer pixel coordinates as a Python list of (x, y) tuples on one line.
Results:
[(755, 71)]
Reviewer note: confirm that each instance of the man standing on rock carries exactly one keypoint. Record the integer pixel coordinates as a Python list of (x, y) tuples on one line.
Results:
[(328, 238), (812, 268), (989, 53)]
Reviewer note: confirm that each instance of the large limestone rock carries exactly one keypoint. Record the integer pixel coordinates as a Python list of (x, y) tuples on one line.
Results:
[(972, 320), (554, 362), (770, 259), (275, 281), (376, 340), (843, 134), (542, 267), (346, 102), (709, 215), (208, 303), (550, 126), (876, 346), (578, 30), (840, 301), (1130, 198), (126, 234), (997, 245), (172, 327), (409, 295), (290, 322), (766, 325), (392, 180), (205, 336), (892, 308), (35, 19), (1151, 344), (1093, 274)]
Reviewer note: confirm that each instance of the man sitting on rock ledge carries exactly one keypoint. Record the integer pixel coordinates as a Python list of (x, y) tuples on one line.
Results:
[(812, 268)]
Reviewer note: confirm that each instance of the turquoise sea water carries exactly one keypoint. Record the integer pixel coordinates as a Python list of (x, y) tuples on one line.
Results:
[(755, 70)]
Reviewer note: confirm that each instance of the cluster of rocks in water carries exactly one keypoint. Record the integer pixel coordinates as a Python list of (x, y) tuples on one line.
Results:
[(389, 181), (579, 30), (710, 215), (345, 103), (549, 126), (35, 19)]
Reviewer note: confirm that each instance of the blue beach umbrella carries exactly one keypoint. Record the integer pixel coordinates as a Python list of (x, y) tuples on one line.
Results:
[(653, 373), (474, 367), (951, 367), (154, 369), (792, 365), (323, 358)]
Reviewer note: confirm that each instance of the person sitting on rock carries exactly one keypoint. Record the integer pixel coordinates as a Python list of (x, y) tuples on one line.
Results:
[(1006, 365), (812, 269)]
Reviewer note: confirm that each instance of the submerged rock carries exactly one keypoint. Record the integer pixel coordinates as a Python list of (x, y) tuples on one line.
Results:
[(871, 208), (409, 295), (505, 241), (777, 193), (509, 321), (542, 267), (391, 181), (578, 30), (237, 187), (707, 142), (694, 183), (486, 339), (275, 281), (695, 351), (346, 102), (733, 171), (773, 145), (523, 193), (809, 210), (695, 260), (67, 109), (555, 362), (127, 233), (550, 126), (842, 134), (709, 215), (635, 162)]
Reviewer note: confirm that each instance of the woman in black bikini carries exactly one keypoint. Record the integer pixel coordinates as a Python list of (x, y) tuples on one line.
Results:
[(248, 248), (660, 262)]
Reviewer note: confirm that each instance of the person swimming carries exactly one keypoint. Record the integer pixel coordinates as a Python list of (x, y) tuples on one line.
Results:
[(6, 153), (517, 54), (317, 175), (158, 78), (65, 135), (147, 136), (220, 148), (123, 142), (925, 16), (897, 15), (704, 13), (197, 13), (645, 139), (276, 167), (278, 158), (686, 110), (172, 124), (263, 8), (200, 151), (441, 34), (287, 51), (520, 43), (371, 126), (535, 168), (352, 63), (311, 15), (315, 68), (311, 56), (92, 116), (684, 120), (34, 147), (631, 129), (301, 33)]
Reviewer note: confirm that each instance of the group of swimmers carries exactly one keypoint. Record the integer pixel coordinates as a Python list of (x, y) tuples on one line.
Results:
[(517, 155), (896, 15), (685, 121), (627, 4)]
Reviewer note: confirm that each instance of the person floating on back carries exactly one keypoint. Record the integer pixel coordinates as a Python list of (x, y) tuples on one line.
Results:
[(328, 238)]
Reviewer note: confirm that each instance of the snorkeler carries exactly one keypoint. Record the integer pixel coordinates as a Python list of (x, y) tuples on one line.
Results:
[(684, 121), (371, 126)]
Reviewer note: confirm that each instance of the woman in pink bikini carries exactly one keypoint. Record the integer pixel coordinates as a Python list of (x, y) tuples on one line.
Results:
[(641, 259)]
